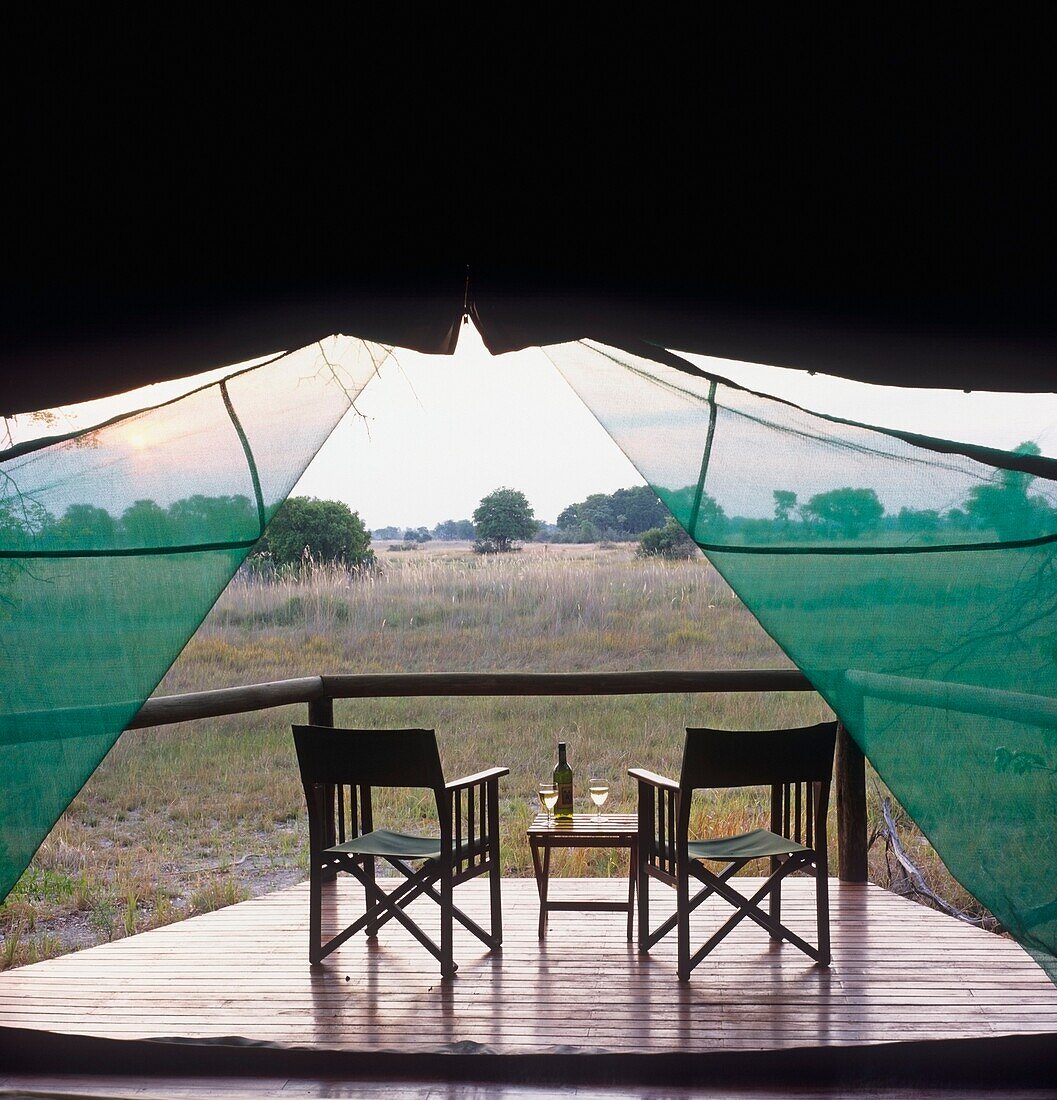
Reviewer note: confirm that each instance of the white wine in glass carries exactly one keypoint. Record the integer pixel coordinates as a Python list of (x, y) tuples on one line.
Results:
[(599, 792), (548, 793)]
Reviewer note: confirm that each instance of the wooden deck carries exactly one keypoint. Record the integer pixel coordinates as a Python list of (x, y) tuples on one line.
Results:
[(901, 974)]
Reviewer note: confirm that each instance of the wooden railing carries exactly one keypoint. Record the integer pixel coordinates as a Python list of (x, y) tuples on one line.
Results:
[(308, 689), (319, 692)]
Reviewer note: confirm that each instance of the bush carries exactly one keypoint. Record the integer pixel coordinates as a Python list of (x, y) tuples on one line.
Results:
[(492, 546), (621, 516), (318, 530), (669, 541)]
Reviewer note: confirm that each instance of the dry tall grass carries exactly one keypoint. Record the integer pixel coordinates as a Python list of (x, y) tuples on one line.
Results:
[(187, 818)]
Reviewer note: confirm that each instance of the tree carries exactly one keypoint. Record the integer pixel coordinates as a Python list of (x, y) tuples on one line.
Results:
[(622, 514), (848, 512), (597, 510), (23, 522), (502, 518), (417, 534), (710, 520), (85, 525), (146, 523), (918, 520), (212, 519), (588, 532), (784, 503), (1004, 506), (569, 518), (637, 509), (324, 530)]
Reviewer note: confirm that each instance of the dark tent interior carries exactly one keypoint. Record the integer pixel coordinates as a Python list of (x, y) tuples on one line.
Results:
[(876, 205)]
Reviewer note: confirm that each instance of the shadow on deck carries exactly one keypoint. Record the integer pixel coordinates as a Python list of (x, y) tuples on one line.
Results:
[(912, 996)]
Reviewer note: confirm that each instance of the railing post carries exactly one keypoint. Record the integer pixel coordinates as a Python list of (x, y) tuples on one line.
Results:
[(852, 862), (321, 713)]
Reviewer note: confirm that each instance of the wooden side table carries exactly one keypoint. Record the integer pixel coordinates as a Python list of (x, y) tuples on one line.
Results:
[(584, 831)]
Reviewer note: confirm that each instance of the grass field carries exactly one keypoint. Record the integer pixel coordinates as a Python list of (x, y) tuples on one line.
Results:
[(188, 818)]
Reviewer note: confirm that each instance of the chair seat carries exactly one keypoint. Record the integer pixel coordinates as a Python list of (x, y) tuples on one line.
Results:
[(382, 842), (752, 845)]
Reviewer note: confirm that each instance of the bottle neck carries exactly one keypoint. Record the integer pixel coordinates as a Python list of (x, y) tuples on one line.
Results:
[(561, 755)]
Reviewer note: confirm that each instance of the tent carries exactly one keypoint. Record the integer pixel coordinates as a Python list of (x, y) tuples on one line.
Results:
[(892, 230)]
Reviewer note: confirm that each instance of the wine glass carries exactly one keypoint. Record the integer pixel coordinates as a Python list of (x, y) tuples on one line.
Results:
[(599, 791), (548, 793)]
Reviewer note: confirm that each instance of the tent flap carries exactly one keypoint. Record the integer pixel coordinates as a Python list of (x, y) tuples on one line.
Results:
[(114, 544)]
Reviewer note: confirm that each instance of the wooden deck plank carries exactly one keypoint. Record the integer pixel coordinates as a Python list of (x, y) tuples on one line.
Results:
[(900, 973)]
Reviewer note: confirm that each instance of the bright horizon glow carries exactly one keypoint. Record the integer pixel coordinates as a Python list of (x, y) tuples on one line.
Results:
[(436, 433)]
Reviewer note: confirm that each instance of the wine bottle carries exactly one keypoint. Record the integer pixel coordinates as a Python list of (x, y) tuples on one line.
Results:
[(563, 780)]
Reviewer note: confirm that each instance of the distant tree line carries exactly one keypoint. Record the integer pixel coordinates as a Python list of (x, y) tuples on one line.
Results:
[(1000, 509), (189, 521), (621, 516), (450, 530), (455, 530), (302, 528), (503, 518)]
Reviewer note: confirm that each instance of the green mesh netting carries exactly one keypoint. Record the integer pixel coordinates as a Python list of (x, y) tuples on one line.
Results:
[(913, 580), (114, 544)]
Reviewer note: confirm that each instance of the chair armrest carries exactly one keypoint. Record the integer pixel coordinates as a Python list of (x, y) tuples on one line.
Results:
[(653, 779), (658, 799), (473, 780)]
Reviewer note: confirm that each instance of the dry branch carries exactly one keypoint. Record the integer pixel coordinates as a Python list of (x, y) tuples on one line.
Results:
[(916, 881)]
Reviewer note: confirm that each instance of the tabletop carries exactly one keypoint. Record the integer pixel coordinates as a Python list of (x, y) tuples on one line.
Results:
[(586, 825)]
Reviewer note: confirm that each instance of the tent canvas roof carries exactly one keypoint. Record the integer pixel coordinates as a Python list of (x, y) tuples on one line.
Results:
[(878, 208)]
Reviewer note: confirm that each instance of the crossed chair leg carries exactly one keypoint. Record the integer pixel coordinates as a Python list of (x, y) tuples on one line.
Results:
[(383, 907), (744, 907)]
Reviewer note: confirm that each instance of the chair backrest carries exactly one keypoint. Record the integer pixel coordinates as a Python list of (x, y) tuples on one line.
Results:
[(340, 766), (796, 763), (370, 758), (729, 758)]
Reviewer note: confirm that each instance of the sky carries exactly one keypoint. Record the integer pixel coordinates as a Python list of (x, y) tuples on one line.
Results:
[(431, 435), (435, 434)]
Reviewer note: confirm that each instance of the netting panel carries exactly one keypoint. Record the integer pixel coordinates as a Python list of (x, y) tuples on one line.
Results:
[(915, 585), (113, 546)]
